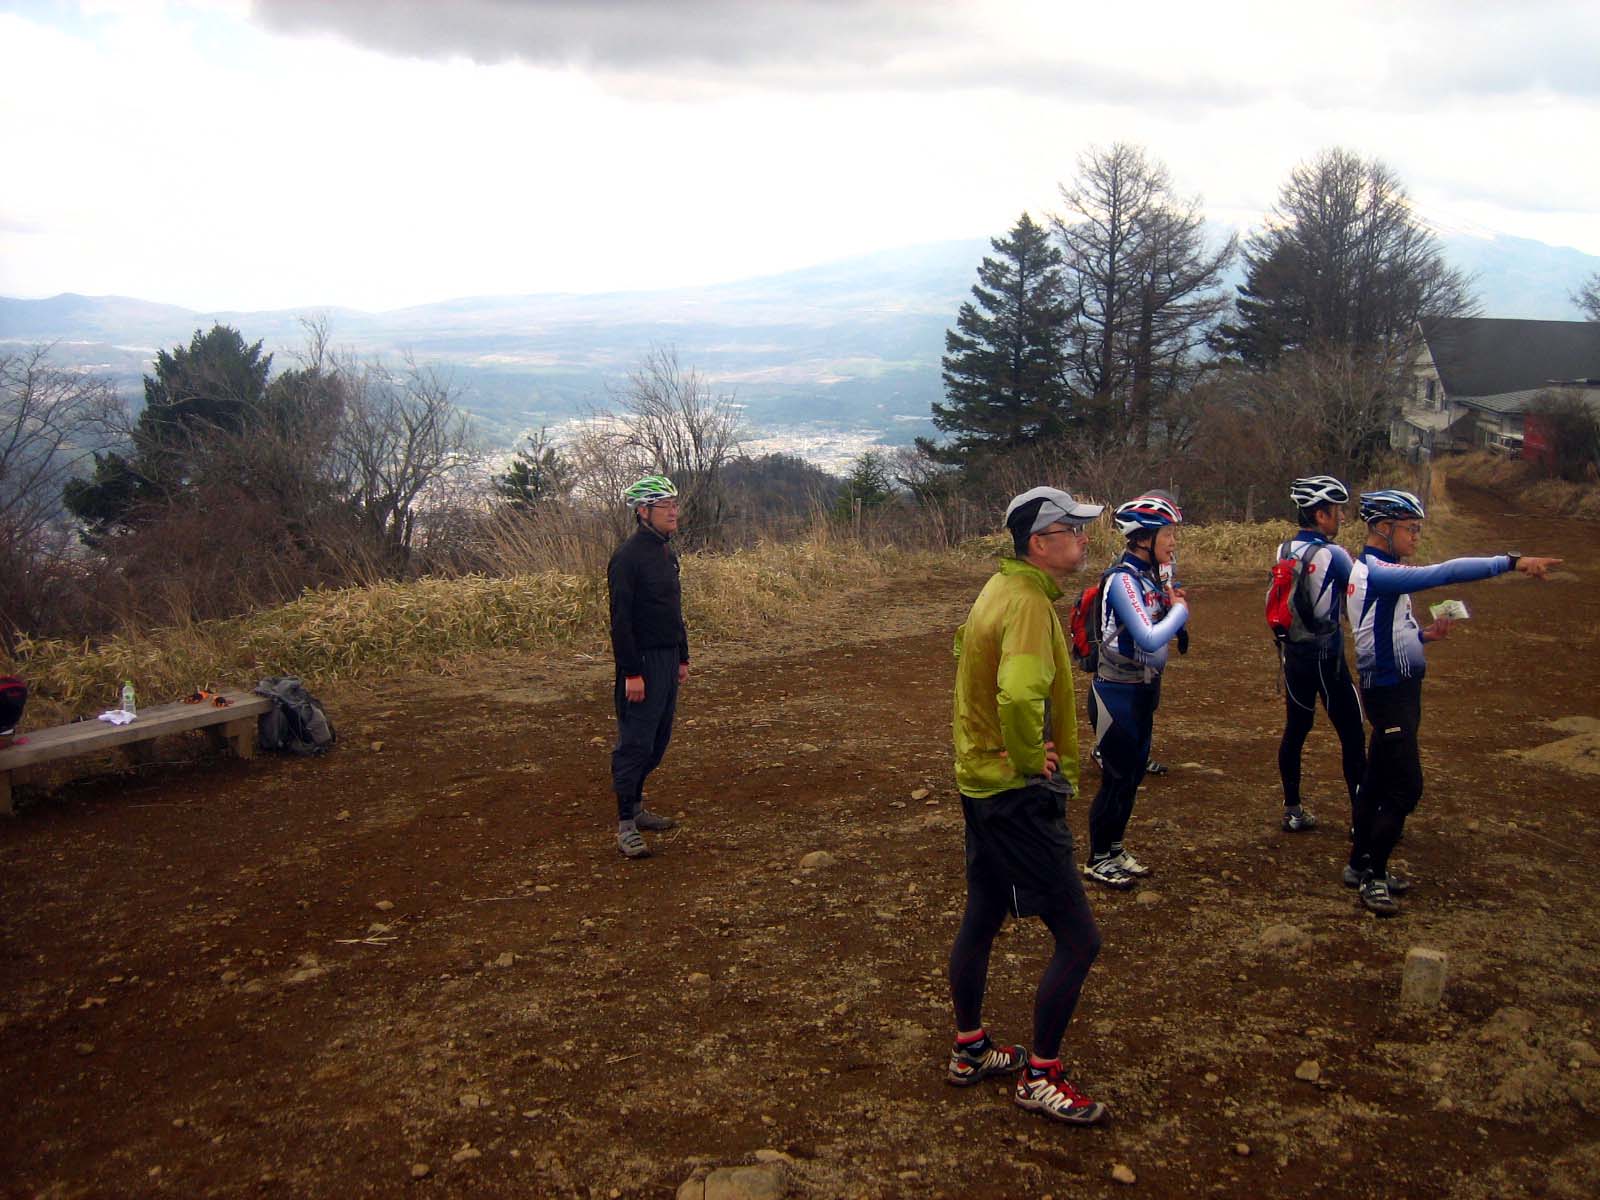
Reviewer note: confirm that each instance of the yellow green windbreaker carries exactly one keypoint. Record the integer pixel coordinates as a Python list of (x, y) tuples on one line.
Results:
[(1011, 655)]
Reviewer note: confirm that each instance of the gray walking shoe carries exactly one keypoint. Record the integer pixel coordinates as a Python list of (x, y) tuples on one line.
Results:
[(1397, 882), (631, 844), (1298, 820), (654, 822), (1376, 896)]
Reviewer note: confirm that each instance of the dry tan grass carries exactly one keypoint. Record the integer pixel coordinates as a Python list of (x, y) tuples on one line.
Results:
[(426, 625), (432, 624), (1526, 483), (1221, 547)]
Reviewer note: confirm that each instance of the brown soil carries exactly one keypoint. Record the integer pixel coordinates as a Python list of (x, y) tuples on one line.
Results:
[(304, 977)]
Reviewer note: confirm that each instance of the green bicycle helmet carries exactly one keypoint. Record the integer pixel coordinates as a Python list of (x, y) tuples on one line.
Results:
[(648, 490)]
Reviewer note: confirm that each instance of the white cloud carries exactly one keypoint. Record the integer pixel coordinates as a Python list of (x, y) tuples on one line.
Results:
[(378, 155)]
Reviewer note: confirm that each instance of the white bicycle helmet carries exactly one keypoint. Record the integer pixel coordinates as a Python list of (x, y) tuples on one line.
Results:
[(1312, 490)]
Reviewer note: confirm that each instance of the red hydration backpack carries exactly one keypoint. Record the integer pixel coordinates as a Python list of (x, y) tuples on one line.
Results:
[(13, 698), (1086, 624), (1290, 613)]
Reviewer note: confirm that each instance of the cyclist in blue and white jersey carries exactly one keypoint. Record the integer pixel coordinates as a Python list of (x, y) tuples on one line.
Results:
[(1390, 663), (1313, 660), (1139, 615)]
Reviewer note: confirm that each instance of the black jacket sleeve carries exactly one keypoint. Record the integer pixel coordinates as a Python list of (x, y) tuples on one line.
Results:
[(621, 579)]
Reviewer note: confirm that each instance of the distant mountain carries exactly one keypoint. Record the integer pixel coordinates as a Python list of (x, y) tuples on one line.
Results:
[(1519, 277), (847, 351)]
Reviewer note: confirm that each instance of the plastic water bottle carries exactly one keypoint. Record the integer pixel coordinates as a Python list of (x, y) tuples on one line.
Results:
[(128, 705)]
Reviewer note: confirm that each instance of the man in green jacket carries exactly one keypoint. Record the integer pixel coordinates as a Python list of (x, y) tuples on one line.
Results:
[(1016, 748)]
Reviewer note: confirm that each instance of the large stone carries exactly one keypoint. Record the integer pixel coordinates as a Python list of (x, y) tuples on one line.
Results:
[(764, 1182), (1422, 982), (816, 860)]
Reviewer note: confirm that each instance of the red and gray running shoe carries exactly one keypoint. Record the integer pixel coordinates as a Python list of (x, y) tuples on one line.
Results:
[(967, 1068), (1057, 1099)]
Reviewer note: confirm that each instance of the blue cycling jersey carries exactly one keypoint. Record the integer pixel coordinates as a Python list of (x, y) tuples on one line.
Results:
[(1328, 579), (1136, 624), (1388, 639)]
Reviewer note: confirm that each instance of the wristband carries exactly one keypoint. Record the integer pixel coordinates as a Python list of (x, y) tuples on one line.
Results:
[(1514, 559)]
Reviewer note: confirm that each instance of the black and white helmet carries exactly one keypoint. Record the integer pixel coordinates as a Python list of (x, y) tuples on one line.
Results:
[(1390, 504), (1313, 490)]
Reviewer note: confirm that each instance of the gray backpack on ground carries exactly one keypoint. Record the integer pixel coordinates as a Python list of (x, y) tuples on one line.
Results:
[(296, 723)]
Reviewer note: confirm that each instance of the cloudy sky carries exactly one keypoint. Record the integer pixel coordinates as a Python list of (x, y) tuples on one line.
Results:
[(228, 154)]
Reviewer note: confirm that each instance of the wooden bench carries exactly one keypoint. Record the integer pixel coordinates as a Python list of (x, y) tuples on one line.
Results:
[(233, 727)]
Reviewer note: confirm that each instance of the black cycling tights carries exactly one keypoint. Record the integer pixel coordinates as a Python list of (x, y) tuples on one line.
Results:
[(1305, 681), (1077, 939), (1393, 783)]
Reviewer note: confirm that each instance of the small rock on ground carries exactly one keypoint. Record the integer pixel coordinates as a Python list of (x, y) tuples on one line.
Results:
[(1287, 936)]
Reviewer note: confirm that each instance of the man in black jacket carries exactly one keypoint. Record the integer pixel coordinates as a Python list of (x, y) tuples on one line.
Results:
[(651, 648)]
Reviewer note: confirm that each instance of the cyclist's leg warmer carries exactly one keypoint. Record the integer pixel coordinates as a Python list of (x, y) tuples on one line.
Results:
[(1300, 711), (1077, 939), (969, 957), (643, 729)]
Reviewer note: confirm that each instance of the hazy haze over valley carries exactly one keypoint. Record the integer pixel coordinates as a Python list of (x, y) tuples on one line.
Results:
[(825, 361)]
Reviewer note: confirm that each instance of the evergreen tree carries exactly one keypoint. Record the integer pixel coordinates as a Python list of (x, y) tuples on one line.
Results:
[(1004, 361), (1343, 262), (539, 473), (199, 396), (868, 485)]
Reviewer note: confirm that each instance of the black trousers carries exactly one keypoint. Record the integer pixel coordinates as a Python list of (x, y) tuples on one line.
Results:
[(643, 729), (1307, 679), (1392, 785)]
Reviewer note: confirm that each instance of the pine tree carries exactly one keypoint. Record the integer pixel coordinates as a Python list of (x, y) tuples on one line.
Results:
[(537, 475), (1343, 262), (199, 395), (868, 485), (1003, 364)]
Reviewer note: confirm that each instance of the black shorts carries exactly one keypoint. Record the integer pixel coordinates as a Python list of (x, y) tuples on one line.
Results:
[(1018, 842)]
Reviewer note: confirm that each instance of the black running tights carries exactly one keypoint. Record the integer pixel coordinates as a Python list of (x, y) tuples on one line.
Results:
[(1077, 942)]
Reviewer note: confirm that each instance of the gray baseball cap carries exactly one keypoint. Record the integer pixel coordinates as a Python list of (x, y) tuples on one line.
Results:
[(1051, 505)]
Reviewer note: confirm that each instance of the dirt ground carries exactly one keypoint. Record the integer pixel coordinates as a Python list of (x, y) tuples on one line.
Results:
[(313, 978)]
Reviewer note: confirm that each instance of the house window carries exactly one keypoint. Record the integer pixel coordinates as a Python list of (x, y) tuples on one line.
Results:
[(1430, 388)]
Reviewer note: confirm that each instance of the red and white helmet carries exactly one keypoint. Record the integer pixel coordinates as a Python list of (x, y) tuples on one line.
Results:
[(1153, 510)]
